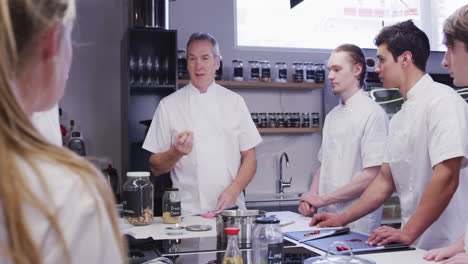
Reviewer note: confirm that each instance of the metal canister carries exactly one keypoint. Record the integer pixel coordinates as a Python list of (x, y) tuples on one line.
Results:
[(242, 219)]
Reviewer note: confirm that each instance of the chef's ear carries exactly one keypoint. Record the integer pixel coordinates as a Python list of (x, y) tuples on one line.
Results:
[(217, 62), (357, 69), (49, 42), (406, 58)]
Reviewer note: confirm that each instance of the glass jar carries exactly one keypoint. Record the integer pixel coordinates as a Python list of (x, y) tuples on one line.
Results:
[(255, 119), (238, 70), (296, 120), (265, 71), (271, 120), (182, 72), (254, 70), (282, 69), (315, 120), (279, 120), (305, 120), (320, 73), (267, 241), (298, 72), (309, 72), (287, 120), (138, 203), (171, 206), (263, 120)]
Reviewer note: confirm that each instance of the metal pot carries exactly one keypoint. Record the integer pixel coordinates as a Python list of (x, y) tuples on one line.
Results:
[(242, 219)]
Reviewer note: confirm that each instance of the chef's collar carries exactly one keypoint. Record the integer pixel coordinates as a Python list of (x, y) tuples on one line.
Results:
[(418, 88), (353, 99), (210, 89)]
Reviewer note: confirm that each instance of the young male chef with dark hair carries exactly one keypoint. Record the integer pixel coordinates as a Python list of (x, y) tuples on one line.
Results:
[(427, 145), (204, 135)]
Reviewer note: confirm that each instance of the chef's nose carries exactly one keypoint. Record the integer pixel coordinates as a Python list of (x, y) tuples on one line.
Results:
[(445, 61)]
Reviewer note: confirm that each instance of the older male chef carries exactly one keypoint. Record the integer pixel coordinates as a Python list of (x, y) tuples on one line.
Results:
[(204, 135)]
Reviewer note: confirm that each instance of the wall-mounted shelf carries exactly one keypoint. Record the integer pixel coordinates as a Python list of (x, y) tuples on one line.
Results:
[(296, 130), (263, 85)]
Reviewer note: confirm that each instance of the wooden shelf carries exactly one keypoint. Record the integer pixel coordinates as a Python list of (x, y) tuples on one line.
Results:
[(263, 85), (297, 130)]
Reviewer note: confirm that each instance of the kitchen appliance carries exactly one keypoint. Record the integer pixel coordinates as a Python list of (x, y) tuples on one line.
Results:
[(243, 219)]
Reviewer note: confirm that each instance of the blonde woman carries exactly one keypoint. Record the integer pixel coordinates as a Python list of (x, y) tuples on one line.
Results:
[(55, 208)]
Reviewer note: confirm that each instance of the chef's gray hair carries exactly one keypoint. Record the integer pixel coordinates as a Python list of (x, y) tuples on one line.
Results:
[(204, 36)]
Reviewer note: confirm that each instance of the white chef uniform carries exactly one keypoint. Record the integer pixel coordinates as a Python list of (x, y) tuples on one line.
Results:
[(222, 128), (430, 127), (47, 123), (354, 137), (466, 238)]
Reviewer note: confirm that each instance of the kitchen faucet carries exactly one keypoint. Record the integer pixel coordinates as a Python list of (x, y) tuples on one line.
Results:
[(283, 184)]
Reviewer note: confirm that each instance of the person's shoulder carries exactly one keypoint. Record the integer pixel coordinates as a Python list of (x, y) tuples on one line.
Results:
[(175, 97), (226, 92), (441, 93)]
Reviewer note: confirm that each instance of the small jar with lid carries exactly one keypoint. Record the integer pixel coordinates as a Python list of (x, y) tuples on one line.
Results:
[(265, 71), (279, 120), (315, 119), (296, 120), (171, 206), (267, 241), (305, 120), (263, 120), (298, 72), (255, 119), (282, 70), (254, 70), (138, 203), (287, 120), (309, 72), (320, 73), (237, 70), (272, 120)]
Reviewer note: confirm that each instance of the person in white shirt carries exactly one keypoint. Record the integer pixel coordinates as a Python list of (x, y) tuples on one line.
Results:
[(426, 147), (456, 61), (47, 123), (204, 135), (353, 142), (55, 206)]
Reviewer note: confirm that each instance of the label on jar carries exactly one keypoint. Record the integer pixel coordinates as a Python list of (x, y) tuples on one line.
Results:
[(299, 75), (275, 253), (238, 72), (174, 208), (266, 73), (282, 74), (319, 76), (310, 74), (255, 72), (132, 203)]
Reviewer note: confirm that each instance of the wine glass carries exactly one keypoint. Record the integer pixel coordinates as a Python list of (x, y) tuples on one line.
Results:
[(149, 70), (132, 67), (140, 69)]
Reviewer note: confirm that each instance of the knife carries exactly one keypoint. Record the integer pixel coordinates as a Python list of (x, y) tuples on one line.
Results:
[(322, 234), (386, 247)]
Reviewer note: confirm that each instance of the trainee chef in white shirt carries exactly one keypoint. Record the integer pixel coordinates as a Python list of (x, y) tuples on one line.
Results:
[(204, 135), (456, 61), (426, 147), (353, 142)]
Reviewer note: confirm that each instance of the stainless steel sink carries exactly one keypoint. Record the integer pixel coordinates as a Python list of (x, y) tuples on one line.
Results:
[(273, 197), (282, 196)]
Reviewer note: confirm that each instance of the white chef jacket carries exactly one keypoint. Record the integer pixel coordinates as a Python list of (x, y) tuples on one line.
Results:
[(222, 127), (354, 137), (47, 123), (83, 220), (430, 127), (466, 238)]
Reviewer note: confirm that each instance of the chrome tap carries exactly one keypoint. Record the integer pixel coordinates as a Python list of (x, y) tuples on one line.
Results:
[(283, 184)]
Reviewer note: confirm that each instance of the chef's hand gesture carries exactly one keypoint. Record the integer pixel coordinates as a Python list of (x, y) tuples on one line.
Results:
[(227, 198), (305, 209), (385, 235), (313, 200), (326, 220), (183, 143), (461, 258)]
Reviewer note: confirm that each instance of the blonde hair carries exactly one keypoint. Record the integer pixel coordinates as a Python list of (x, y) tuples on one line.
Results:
[(21, 22), (456, 27)]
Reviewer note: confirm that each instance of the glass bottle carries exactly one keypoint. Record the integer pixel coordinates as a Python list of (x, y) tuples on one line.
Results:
[(309, 72), (232, 254), (263, 120), (315, 120), (305, 120), (238, 70), (171, 208), (267, 241), (272, 120), (254, 70), (282, 72), (279, 120), (255, 119), (138, 203), (298, 72), (265, 69), (320, 73)]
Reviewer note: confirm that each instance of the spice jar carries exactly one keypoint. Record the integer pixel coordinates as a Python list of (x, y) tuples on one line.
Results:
[(238, 70), (315, 120), (263, 120), (171, 206), (254, 70), (296, 120), (309, 72), (267, 241), (287, 120), (271, 120), (138, 203), (298, 72), (305, 120), (320, 73), (265, 71), (279, 120), (282, 69), (255, 119)]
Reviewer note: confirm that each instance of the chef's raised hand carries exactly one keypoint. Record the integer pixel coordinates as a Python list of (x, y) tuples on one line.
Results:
[(385, 235), (183, 143), (326, 220), (305, 209)]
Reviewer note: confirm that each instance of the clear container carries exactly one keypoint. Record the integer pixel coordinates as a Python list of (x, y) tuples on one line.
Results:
[(298, 72), (287, 120), (320, 73), (267, 241), (265, 71), (296, 120), (237, 70), (182, 72), (138, 203), (255, 119), (254, 70), (279, 120), (315, 119), (263, 120), (272, 120), (309, 72), (171, 208), (282, 70), (305, 120), (232, 254)]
